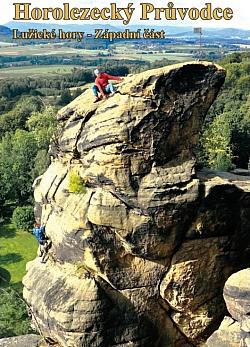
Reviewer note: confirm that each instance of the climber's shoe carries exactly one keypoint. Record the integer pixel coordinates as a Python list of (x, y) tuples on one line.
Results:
[(97, 99)]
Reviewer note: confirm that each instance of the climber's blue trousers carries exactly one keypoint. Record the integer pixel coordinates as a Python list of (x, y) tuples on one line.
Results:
[(108, 89)]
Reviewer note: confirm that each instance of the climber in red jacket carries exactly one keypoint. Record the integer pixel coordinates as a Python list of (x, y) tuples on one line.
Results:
[(103, 86)]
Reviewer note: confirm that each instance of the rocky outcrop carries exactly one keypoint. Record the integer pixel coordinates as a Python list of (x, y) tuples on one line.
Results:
[(140, 256), (21, 341), (235, 331)]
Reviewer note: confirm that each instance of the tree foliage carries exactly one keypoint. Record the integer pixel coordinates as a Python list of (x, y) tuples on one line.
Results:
[(17, 117), (65, 97), (42, 125), (14, 319), (216, 144), (23, 217), (17, 153), (23, 155), (42, 161), (226, 137)]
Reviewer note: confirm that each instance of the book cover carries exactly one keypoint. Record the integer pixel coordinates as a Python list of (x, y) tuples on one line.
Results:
[(124, 173)]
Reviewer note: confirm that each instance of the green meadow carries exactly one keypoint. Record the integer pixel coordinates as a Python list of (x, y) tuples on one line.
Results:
[(28, 71), (16, 249)]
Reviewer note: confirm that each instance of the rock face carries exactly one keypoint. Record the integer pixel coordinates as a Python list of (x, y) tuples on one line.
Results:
[(235, 331), (21, 341), (139, 257)]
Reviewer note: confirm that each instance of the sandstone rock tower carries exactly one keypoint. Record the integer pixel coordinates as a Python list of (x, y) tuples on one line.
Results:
[(140, 256)]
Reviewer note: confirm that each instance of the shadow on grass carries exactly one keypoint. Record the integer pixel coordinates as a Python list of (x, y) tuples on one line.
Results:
[(7, 210), (7, 231), (18, 287), (5, 277), (10, 258)]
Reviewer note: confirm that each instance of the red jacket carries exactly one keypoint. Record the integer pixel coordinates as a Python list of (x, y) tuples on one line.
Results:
[(102, 81)]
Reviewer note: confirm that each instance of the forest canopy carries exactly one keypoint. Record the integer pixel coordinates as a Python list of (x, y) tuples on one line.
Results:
[(225, 142)]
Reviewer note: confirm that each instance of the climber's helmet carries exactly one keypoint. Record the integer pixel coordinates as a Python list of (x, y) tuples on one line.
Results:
[(96, 72)]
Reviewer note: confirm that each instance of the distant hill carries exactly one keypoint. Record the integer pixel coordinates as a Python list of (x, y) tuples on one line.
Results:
[(5, 34), (174, 31), (232, 33), (89, 28), (23, 26), (5, 30), (225, 33), (169, 29)]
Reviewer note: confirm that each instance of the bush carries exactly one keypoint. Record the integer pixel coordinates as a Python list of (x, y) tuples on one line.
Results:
[(216, 144), (14, 319), (76, 183), (222, 162), (23, 217)]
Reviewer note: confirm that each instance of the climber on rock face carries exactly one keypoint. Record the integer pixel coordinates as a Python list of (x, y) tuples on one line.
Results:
[(103, 86), (44, 243)]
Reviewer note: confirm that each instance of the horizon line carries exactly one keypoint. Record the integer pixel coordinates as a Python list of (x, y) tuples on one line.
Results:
[(117, 25)]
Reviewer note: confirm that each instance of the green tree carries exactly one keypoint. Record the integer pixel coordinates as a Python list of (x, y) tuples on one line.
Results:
[(17, 155), (42, 125), (241, 135), (23, 217), (14, 319), (216, 144), (77, 92), (16, 118), (232, 106), (42, 161), (65, 97), (23, 155)]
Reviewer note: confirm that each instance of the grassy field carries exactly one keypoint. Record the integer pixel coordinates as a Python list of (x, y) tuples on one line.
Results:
[(179, 53), (132, 52), (29, 71), (33, 71), (45, 49), (16, 249), (120, 51), (181, 57), (6, 44)]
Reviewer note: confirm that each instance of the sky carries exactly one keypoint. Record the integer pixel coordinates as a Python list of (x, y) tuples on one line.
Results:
[(241, 9)]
